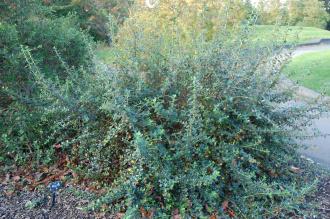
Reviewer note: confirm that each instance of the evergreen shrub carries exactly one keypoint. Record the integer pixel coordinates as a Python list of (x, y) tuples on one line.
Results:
[(56, 45), (205, 129), (93, 15), (181, 124), (209, 130)]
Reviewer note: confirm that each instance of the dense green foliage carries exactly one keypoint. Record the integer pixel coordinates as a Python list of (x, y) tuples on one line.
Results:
[(51, 42), (42, 37), (28, 23), (205, 126), (93, 15), (182, 122), (9, 60), (16, 11)]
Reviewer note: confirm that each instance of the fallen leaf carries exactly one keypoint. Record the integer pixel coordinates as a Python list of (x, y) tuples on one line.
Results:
[(45, 169), (40, 176), (146, 214), (48, 179), (272, 173), (231, 213), (225, 205), (74, 175), (294, 169), (9, 192), (213, 216), (16, 178), (100, 215), (176, 214), (119, 216), (6, 180), (57, 146)]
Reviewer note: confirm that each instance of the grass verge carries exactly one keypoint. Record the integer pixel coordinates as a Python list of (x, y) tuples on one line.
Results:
[(312, 70), (289, 34)]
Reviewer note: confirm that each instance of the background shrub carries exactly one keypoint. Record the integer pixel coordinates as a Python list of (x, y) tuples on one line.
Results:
[(46, 44), (93, 15), (28, 24), (9, 53), (55, 44)]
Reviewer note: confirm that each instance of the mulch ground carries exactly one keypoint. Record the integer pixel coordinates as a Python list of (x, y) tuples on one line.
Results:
[(37, 204), (323, 197)]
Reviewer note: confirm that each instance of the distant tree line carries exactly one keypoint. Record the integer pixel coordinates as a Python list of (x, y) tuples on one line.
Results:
[(313, 13)]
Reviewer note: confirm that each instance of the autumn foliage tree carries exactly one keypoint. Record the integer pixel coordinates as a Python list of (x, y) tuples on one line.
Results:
[(293, 12), (307, 13)]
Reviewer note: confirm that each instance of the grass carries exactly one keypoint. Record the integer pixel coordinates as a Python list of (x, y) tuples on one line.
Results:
[(289, 34), (312, 70), (104, 53)]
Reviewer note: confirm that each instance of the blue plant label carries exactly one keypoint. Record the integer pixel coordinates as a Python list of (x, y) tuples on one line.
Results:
[(54, 186)]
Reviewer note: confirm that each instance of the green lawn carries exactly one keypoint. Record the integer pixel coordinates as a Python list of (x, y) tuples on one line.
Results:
[(105, 54), (290, 34), (312, 70)]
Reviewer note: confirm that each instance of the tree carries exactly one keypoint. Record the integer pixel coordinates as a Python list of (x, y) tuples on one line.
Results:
[(277, 13), (307, 13), (295, 9), (314, 14), (249, 8), (262, 13), (293, 12), (326, 4), (272, 12), (195, 115), (28, 30)]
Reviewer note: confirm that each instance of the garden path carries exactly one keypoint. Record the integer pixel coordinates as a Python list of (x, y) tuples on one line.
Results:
[(320, 45), (319, 149)]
